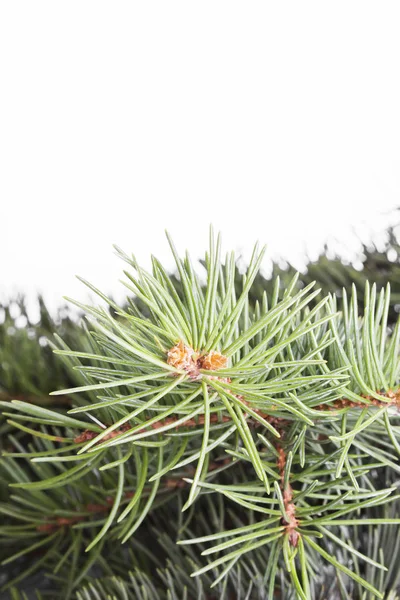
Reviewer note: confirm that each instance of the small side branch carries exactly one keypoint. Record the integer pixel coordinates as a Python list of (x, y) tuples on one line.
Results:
[(287, 493)]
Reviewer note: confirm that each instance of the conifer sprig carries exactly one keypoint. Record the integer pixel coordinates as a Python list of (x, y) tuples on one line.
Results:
[(280, 409)]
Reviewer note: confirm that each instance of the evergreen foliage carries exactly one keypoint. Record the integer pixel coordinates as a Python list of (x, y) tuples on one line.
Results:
[(232, 440), (377, 263)]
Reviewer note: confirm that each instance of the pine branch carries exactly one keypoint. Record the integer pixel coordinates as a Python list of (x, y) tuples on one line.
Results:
[(282, 413)]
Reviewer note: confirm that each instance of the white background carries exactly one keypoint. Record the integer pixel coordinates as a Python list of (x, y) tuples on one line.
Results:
[(277, 121)]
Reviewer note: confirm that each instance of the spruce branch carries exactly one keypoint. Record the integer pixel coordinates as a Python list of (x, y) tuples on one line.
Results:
[(284, 411)]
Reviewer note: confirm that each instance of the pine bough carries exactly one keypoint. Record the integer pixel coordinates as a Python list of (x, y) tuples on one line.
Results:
[(262, 436)]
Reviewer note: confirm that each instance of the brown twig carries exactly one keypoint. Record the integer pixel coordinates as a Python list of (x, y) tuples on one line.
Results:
[(290, 508), (393, 399), (171, 484)]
